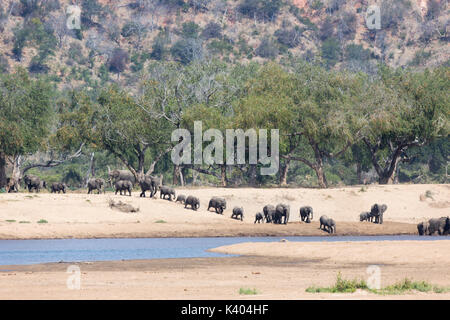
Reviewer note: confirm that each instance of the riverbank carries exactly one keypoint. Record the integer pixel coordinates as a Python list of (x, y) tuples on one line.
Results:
[(77, 215), (280, 270)]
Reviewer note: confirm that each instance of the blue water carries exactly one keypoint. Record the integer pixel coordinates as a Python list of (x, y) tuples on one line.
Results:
[(21, 252)]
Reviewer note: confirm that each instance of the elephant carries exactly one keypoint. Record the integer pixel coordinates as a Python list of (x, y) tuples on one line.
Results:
[(365, 216), (269, 213), (219, 204), (327, 224), (95, 184), (123, 185), (281, 210), (117, 175), (58, 187), (377, 212), (306, 214), (441, 225), (259, 217), (181, 198), (33, 182), (423, 227), (147, 183), (238, 213), (192, 201), (166, 191)]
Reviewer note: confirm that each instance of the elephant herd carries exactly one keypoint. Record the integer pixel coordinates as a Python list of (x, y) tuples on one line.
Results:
[(430, 227), (123, 182)]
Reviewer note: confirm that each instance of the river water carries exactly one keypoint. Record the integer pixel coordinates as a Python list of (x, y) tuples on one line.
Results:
[(21, 252)]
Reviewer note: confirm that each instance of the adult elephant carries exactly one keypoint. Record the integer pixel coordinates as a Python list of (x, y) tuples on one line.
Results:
[(306, 214), (377, 211), (269, 213), (33, 182), (440, 225), (282, 210), (124, 175), (147, 183), (219, 204)]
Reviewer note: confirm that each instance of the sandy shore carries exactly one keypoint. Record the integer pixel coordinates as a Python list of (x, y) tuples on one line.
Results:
[(275, 270), (76, 215)]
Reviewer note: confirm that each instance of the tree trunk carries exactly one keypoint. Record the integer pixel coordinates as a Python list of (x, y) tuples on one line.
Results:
[(223, 175), (284, 173), (2, 170), (176, 174), (322, 181), (14, 182), (359, 173), (252, 173)]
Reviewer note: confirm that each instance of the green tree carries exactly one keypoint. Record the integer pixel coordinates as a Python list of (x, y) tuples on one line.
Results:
[(25, 115), (404, 110)]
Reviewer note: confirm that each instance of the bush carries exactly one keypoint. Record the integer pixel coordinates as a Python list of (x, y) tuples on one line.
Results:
[(186, 50), (260, 9), (220, 46), (357, 52), (331, 52), (290, 38), (326, 30), (119, 60), (347, 25), (420, 58), (267, 49), (4, 64), (190, 30), (212, 30)]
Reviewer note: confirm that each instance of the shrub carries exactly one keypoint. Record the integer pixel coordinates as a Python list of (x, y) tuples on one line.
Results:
[(260, 9), (4, 64), (289, 38), (212, 30), (347, 25), (190, 30), (326, 29), (356, 52), (118, 61), (267, 49), (331, 51), (186, 50)]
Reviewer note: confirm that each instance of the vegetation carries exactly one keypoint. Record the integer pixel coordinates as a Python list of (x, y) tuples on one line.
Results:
[(247, 291), (344, 115), (404, 286)]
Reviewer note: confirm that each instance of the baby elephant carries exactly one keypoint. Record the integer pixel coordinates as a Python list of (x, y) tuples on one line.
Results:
[(365, 216), (259, 217), (181, 198), (327, 224), (58, 187), (124, 185), (166, 191), (422, 228), (95, 184), (306, 214), (238, 213), (192, 201)]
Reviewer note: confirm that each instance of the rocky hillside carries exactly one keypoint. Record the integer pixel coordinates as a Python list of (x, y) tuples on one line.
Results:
[(119, 39)]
